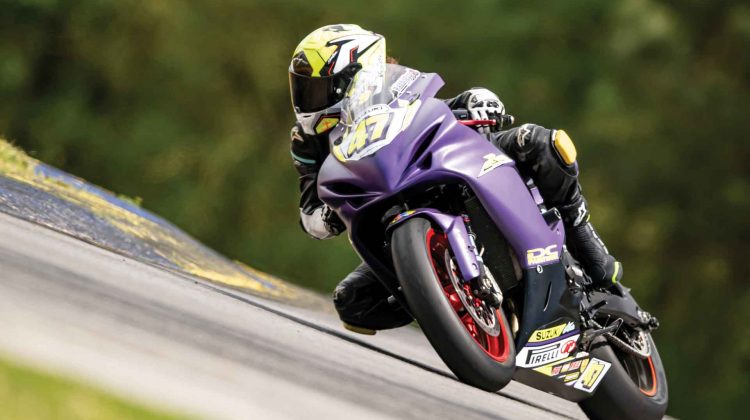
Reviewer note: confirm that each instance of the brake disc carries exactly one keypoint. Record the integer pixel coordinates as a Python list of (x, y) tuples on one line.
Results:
[(482, 314)]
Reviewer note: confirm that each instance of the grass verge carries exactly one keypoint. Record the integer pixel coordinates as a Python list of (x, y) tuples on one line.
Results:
[(13, 161), (28, 394)]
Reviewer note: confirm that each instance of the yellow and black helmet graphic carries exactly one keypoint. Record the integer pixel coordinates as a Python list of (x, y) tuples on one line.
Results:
[(325, 62)]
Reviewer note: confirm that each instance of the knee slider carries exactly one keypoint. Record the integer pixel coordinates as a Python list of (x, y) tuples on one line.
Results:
[(564, 147)]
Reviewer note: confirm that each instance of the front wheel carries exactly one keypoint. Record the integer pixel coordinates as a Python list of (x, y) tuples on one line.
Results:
[(474, 342)]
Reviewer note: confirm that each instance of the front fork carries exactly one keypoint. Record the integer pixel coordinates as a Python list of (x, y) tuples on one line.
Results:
[(467, 255), (468, 258)]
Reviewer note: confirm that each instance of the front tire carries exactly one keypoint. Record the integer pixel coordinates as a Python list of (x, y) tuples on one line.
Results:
[(477, 358), (633, 388)]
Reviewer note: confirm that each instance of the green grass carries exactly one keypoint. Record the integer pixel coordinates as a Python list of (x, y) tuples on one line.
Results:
[(28, 394), (16, 164), (14, 161)]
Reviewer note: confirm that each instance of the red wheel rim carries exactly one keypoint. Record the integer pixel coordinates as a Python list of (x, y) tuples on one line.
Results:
[(641, 372), (651, 391), (496, 347)]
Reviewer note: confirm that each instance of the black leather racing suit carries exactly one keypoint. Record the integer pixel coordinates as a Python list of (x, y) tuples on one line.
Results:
[(359, 298)]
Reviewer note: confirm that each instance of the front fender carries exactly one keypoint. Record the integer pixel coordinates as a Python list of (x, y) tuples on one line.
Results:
[(464, 249)]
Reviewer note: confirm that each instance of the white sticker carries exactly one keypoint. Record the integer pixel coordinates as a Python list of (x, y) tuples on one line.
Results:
[(532, 356), (492, 161), (404, 81), (593, 375)]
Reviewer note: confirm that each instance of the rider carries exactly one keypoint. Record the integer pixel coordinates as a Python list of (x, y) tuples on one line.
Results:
[(322, 67)]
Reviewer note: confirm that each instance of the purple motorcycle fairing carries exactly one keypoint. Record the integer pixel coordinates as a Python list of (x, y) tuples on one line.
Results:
[(435, 149)]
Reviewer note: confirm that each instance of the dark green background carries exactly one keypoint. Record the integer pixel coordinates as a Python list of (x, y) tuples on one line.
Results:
[(185, 104)]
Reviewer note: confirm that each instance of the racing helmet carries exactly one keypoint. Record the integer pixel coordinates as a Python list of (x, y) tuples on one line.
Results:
[(323, 65)]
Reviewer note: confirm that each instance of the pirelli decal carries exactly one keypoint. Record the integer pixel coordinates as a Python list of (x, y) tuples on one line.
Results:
[(533, 356)]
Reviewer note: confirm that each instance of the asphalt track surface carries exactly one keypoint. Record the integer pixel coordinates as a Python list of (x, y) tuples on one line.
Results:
[(178, 342)]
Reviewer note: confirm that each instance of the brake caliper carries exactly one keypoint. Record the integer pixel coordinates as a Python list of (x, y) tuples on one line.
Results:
[(488, 292)]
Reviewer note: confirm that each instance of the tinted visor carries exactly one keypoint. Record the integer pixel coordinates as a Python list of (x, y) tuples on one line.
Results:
[(312, 94)]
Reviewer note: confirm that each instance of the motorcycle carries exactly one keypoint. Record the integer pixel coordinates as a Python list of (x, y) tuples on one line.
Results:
[(467, 246)]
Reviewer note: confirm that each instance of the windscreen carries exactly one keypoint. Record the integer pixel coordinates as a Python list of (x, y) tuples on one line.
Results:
[(371, 88), (369, 120)]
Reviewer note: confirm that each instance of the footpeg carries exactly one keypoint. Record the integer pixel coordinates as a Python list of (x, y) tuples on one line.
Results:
[(589, 312), (590, 335)]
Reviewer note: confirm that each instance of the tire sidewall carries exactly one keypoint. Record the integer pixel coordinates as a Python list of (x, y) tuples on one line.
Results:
[(436, 316), (618, 397)]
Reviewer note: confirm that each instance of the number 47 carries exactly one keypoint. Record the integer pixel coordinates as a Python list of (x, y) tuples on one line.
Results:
[(369, 130)]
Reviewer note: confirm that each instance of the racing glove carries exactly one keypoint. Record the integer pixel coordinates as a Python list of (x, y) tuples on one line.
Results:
[(332, 221), (482, 104), (322, 223)]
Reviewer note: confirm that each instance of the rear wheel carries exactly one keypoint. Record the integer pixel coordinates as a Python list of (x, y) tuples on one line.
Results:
[(634, 388), (472, 338)]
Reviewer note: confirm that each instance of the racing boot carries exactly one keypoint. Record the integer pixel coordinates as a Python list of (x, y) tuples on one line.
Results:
[(587, 247)]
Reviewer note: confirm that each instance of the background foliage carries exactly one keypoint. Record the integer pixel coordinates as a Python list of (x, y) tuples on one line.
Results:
[(185, 104)]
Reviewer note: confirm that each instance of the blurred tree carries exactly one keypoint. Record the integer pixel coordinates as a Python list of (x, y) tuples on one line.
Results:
[(186, 105)]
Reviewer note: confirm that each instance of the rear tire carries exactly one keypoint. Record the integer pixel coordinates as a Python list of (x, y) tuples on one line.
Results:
[(486, 362), (623, 393)]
